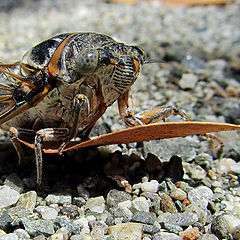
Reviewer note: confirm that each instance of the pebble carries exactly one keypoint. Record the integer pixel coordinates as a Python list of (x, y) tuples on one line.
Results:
[(219, 227), (172, 228), (82, 192), (61, 234), (166, 235), (223, 165), (200, 195), (40, 226), (191, 233), (167, 204), (22, 234), (182, 219), (5, 219), (28, 200), (70, 210), (2, 232), (58, 199), (15, 182), (188, 81), (196, 172), (151, 229), (10, 236), (96, 204), (140, 204), (235, 168), (208, 236), (144, 217), (47, 213), (114, 197), (178, 194), (151, 186), (8, 196), (127, 230)]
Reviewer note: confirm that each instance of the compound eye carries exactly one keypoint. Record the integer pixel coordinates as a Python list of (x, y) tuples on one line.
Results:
[(87, 61)]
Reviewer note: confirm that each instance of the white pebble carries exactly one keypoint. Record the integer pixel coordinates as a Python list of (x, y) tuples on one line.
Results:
[(140, 204), (96, 204), (47, 213), (151, 186), (8, 196)]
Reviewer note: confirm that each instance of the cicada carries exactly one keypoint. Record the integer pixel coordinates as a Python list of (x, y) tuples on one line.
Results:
[(63, 85)]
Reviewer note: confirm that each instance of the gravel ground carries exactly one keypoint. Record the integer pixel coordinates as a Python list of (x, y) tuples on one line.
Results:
[(185, 188)]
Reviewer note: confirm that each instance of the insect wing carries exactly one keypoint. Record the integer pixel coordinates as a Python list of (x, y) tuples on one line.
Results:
[(13, 88)]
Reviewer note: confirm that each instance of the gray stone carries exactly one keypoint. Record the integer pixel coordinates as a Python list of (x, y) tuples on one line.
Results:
[(188, 81), (70, 210), (114, 197), (79, 201), (208, 236), (200, 195), (196, 172), (151, 229), (14, 182), (47, 213), (165, 235), (8, 196), (219, 227), (144, 217), (140, 204), (22, 234), (58, 199), (235, 168), (40, 226), (5, 219), (172, 228), (10, 236), (182, 219)]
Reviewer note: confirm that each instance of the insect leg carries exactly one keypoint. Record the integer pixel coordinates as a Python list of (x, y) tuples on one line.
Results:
[(25, 134), (42, 136), (146, 117), (81, 108)]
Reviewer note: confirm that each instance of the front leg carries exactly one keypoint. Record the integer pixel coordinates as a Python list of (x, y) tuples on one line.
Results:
[(146, 117)]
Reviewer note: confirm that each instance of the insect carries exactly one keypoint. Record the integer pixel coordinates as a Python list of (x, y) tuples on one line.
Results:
[(64, 85)]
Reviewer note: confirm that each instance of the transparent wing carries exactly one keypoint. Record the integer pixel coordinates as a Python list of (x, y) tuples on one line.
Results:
[(13, 88)]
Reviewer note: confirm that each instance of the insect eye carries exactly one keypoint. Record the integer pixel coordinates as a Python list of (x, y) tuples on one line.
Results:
[(87, 61)]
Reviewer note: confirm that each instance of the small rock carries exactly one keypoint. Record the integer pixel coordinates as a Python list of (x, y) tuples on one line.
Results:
[(196, 172), (79, 201), (28, 200), (151, 229), (140, 204), (200, 195), (2, 232), (70, 210), (167, 204), (188, 81), (96, 204), (223, 165), (178, 194), (166, 236), (144, 217), (8, 196), (208, 236), (235, 168), (22, 234), (173, 228), (236, 232), (182, 219), (5, 219), (58, 198), (127, 230), (10, 236), (48, 213), (114, 197), (40, 226), (97, 232), (83, 227), (82, 192), (190, 233), (151, 186), (61, 234), (15, 182), (219, 227)]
